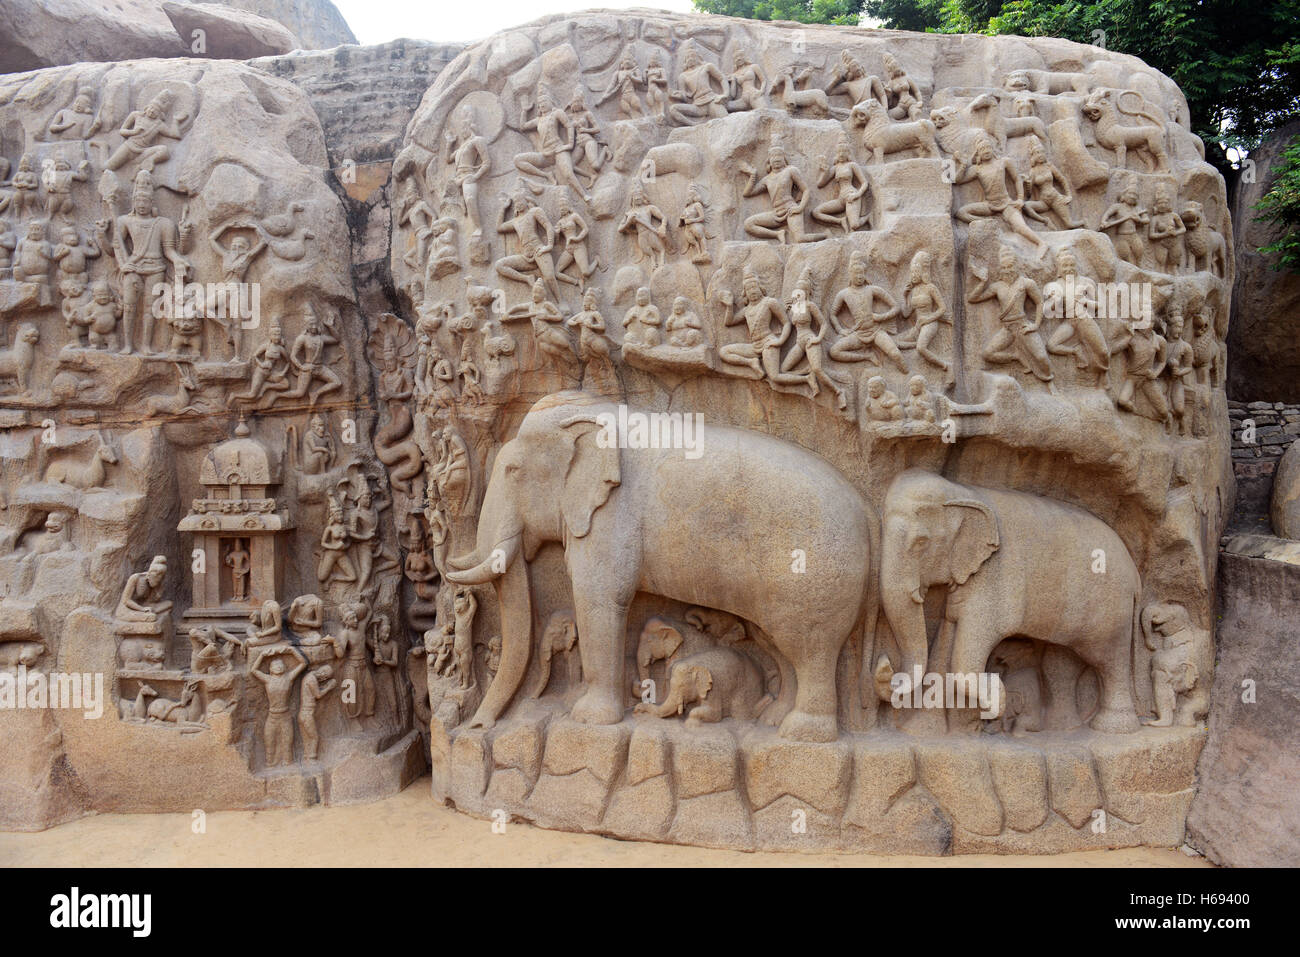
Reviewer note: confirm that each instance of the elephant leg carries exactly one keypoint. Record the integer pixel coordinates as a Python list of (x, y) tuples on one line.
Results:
[(1115, 711), (971, 647), (814, 716), (602, 625)]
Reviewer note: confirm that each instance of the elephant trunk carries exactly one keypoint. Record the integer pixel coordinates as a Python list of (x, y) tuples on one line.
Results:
[(515, 601), (905, 611)]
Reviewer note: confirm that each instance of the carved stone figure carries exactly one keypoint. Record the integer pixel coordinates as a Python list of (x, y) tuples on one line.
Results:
[(608, 524), (980, 545), (788, 194), (721, 682), (882, 136), (1182, 663), (1124, 217), (144, 244), (1106, 107), (1020, 313), (278, 680), (867, 336), (851, 186)]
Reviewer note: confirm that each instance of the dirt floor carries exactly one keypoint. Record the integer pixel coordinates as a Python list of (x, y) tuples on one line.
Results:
[(409, 829)]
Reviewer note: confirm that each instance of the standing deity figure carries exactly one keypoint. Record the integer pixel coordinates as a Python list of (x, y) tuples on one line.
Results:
[(351, 645), (1165, 231), (694, 223), (26, 185), (1020, 313), (236, 259), (702, 92), (648, 225), (467, 152), (237, 560), (1072, 297), (788, 194), (523, 217), (468, 372), (555, 139), (308, 358), (804, 313), (277, 733), (1048, 190), (626, 80), (747, 86), (143, 244), (1180, 368), (385, 658), (463, 645), (923, 303), (760, 355), (317, 684), (573, 229), (866, 338), (318, 447), (142, 131), (656, 88), (1124, 217), (851, 186)]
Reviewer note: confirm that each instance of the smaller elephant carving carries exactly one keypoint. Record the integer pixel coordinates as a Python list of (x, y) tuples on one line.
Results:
[(1016, 660), (721, 682), (561, 635), (1182, 662)]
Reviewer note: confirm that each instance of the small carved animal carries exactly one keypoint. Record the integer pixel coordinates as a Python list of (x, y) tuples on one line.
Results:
[(725, 683), (684, 158), (1104, 107), (16, 362), (15, 653), (1203, 247), (142, 654), (883, 136), (91, 475), (795, 99), (986, 111), (561, 635)]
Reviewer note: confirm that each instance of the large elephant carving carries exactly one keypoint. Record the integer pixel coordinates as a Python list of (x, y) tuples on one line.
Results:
[(1015, 565), (720, 530)]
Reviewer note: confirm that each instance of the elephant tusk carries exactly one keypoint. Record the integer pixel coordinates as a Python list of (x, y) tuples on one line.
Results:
[(490, 568)]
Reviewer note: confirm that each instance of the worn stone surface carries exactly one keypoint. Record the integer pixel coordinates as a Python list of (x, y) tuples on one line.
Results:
[(1244, 813), (317, 24), (222, 32)]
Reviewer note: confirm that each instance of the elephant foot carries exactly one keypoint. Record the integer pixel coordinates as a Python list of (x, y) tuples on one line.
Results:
[(802, 726), (1114, 721), (596, 707), (1165, 722)]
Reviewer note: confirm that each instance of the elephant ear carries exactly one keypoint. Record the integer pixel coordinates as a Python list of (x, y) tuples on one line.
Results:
[(975, 540), (701, 680), (593, 473)]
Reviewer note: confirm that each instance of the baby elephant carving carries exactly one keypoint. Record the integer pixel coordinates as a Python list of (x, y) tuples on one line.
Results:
[(724, 682), (561, 635)]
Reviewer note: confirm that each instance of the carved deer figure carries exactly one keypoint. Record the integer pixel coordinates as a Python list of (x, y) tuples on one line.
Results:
[(16, 362), (91, 475), (1104, 107), (795, 99)]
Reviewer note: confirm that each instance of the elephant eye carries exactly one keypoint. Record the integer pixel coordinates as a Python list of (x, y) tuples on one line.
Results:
[(919, 543), (512, 468)]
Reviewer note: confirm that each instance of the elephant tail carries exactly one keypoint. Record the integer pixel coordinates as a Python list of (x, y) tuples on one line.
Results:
[(870, 613)]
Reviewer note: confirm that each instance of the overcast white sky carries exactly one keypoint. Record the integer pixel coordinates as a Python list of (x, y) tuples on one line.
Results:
[(377, 21)]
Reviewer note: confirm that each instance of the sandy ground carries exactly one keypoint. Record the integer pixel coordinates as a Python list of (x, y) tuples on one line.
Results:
[(409, 829)]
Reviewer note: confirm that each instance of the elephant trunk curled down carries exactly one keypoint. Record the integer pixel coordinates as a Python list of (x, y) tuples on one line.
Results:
[(719, 530)]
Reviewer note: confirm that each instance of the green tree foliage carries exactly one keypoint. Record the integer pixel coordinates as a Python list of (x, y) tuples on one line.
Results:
[(1281, 207), (841, 12)]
